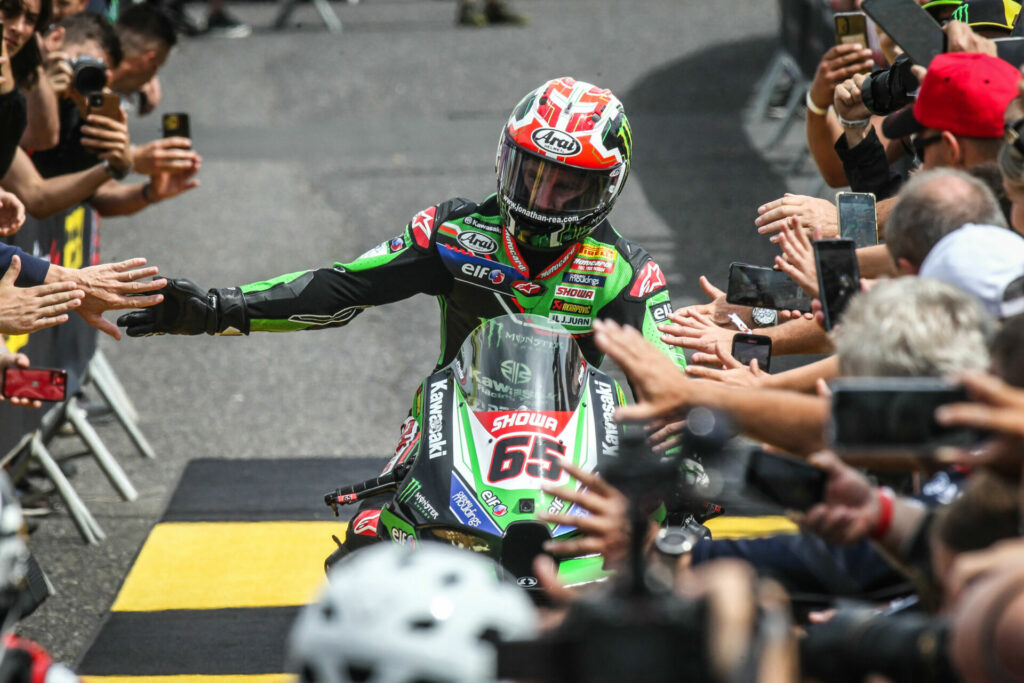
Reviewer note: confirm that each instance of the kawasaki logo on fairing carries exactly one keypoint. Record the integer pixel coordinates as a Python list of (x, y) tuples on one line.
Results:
[(611, 433), (556, 142), (435, 437), (519, 419)]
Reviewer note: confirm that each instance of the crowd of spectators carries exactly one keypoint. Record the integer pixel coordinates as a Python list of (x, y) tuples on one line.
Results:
[(911, 554)]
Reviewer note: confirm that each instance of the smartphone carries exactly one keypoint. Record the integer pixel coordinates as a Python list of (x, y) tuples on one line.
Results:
[(748, 347), (857, 218), (789, 482), (44, 384), (1010, 49), (751, 285), (894, 413), (838, 277), (176, 125), (910, 26), (851, 27), (105, 104)]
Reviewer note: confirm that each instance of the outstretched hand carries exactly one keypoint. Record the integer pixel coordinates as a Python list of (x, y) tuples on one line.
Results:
[(731, 371), (812, 212), (606, 528), (661, 388), (692, 330), (185, 310), (717, 309), (28, 309), (851, 507), (112, 286), (797, 258)]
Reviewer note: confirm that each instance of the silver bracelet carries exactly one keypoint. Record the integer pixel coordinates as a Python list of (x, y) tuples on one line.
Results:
[(859, 123)]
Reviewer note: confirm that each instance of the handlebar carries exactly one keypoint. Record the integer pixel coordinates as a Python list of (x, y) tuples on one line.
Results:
[(385, 483)]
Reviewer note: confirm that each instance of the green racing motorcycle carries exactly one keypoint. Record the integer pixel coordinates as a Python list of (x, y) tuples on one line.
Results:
[(517, 401)]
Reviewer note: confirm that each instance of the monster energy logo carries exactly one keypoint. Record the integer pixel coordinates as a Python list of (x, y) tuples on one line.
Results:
[(494, 330), (411, 495), (409, 490), (625, 134)]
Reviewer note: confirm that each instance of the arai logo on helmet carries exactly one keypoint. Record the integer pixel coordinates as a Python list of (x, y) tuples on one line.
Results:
[(556, 142)]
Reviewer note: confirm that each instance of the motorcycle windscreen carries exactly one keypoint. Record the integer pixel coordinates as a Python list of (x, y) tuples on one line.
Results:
[(520, 362)]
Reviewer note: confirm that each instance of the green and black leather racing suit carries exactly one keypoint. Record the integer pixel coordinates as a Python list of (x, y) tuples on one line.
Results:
[(459, 252)]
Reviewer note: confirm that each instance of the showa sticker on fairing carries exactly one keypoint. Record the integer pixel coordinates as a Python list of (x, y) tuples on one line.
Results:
[(517, 402)]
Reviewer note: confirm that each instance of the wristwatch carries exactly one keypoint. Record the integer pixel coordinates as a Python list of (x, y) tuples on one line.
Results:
[(764, 317), (115, 173)]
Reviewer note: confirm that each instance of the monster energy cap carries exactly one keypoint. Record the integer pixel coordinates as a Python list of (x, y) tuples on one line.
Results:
[(980, 13)]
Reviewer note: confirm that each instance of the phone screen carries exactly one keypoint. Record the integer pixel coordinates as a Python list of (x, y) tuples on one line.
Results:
[(851, 27), (791, 483), (910, 26), (44, 384), (874, 413), (751, 285), (838, 277), (748, 347), (857, 220)]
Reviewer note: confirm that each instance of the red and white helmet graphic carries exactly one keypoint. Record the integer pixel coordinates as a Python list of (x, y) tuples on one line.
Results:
[(562, 161)]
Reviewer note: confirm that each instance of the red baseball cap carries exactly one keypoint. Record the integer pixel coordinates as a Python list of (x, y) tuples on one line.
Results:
[(965, 93)]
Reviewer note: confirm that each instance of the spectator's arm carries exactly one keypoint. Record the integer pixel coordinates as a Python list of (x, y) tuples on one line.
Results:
[(838, 64), (111, 286), (45, 197), (803, 379), (43, 129), (796, 336), (33, 270), (854, 510), (118, 199), (875, 262), (791, 421), (28, 309)]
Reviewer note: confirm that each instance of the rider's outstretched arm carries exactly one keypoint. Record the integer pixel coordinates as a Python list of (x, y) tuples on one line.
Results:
[(312, 299)]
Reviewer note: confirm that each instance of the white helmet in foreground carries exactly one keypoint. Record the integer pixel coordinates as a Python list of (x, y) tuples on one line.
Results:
[(392, 614)]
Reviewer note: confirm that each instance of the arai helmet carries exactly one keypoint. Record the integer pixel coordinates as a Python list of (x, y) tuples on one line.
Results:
[(562, 160)]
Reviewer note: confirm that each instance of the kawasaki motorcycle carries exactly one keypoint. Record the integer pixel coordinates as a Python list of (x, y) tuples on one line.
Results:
[(517, 401)]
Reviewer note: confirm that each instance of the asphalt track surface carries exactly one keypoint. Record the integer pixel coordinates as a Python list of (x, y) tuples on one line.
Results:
[(317, 147)]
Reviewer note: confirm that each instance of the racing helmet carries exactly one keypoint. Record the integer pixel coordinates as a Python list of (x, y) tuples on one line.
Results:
[(394, 613), (562, 160)]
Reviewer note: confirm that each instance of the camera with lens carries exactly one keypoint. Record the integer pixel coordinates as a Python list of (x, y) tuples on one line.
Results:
[(886, 90), (88, 75)]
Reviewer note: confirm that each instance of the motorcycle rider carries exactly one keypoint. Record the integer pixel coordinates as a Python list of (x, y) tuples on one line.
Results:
[(542, 245)]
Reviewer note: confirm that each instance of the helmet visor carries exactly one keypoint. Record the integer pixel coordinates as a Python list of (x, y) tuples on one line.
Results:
[(550, 195)]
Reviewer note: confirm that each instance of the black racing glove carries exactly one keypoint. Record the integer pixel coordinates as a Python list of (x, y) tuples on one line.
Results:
[(187, 309)]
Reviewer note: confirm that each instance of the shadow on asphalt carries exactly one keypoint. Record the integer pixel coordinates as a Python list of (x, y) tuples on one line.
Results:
[(695, 164)]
